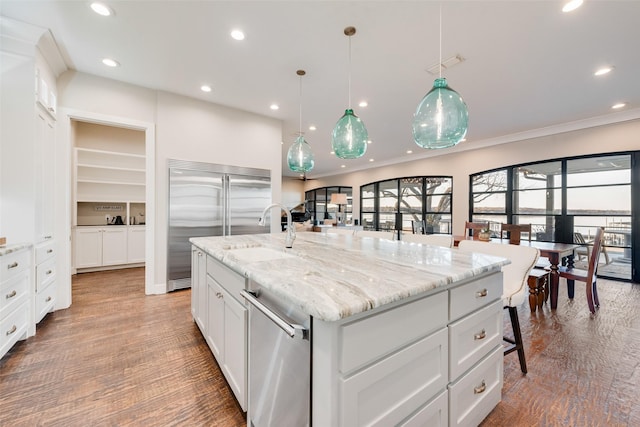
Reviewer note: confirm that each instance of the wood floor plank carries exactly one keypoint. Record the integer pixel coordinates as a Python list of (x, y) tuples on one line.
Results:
[(119, 358), (116, 357)]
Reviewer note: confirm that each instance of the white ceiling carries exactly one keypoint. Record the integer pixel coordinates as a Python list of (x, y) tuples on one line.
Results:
[(528, 65)]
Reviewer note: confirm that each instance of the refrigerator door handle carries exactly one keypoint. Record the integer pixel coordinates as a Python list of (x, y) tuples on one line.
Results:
[(227, 205)]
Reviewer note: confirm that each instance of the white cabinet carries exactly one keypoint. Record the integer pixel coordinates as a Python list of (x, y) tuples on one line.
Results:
[(227, 326), (221, 315), (114, 245), (215, 319), (45, 176), (430, 360), (135, 244), (15, 291), (199, 288), (27, 133), (45, 295), (100, 246)]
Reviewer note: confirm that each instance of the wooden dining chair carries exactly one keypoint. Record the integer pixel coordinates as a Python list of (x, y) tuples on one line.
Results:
[(588, 276), (514, 285), (514, 232), (585, 251), (470, 228)]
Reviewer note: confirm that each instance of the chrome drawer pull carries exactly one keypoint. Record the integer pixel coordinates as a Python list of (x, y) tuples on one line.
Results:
[(481, 294), (13, 265), (218, 294), (12, 330), (48, 299), (49, 272), (49, 251), (479, 389), (12, 294), (481, 335)]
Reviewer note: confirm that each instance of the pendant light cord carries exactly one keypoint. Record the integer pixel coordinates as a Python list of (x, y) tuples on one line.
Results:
[(300, 116), (350, 72), (440, 24)]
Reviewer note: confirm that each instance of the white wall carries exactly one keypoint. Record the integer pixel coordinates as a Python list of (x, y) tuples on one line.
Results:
[(186, 129), (623, 136), (292, 192)]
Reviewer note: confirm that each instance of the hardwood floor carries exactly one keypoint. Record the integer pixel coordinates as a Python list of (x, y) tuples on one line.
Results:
[(118, 357)]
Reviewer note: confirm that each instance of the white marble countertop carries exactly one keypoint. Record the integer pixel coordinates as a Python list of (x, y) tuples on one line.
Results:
[(8, 249), (333, 276)]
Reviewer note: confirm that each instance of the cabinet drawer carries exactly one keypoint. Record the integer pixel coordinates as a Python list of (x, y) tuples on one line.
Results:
[(472, 337), (13, 291), (14, 327), (366, 340), (14, 263), (44, 273), (44, 252), (231, 281), (389, 391), (470, 297), (473, 396), (434, 414), (45, 299)]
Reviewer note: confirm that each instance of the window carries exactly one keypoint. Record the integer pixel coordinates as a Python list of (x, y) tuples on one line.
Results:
[(319, 206), (489, 198), (564, 201), (416, 198)]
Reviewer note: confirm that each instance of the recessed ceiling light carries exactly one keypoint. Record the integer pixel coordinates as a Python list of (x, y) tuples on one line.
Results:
[(110, 62), (312, 127), (274, 106), (571, 5), (205, 88), (332, 152), (602, 71), (343, 166), (409, 151), (618, 105), (101, 9), (368, 141), (237, 35), (463, 139), (371, 160), (363, 104)]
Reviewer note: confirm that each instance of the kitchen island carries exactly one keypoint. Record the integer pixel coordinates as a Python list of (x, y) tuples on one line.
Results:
[(399, 333)]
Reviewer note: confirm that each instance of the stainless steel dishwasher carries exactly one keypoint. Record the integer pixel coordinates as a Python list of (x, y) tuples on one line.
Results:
[(279, 361)]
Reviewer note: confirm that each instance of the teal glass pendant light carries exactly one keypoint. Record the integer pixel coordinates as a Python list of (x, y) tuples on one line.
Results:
[(300, 156), (349, 136), (441, 119)]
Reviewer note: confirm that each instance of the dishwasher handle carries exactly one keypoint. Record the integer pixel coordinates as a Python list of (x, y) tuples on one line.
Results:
[(293, 330)]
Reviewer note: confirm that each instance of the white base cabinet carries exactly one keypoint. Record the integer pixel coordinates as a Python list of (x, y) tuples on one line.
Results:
[(106, 246), (220, 313), (15, 292), (46, 289), (433, 360), (199, 288), (136, 244)]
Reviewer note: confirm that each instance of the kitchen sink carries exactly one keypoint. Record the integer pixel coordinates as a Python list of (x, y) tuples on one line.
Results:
[(258, 253)]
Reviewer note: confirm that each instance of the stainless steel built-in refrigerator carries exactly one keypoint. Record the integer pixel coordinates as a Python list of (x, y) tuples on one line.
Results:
[(210, 200)]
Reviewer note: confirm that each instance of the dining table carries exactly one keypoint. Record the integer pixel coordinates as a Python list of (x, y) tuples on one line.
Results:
[(557, 254)]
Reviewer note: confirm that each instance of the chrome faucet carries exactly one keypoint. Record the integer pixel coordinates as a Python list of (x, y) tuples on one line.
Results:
[(291, 232)]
